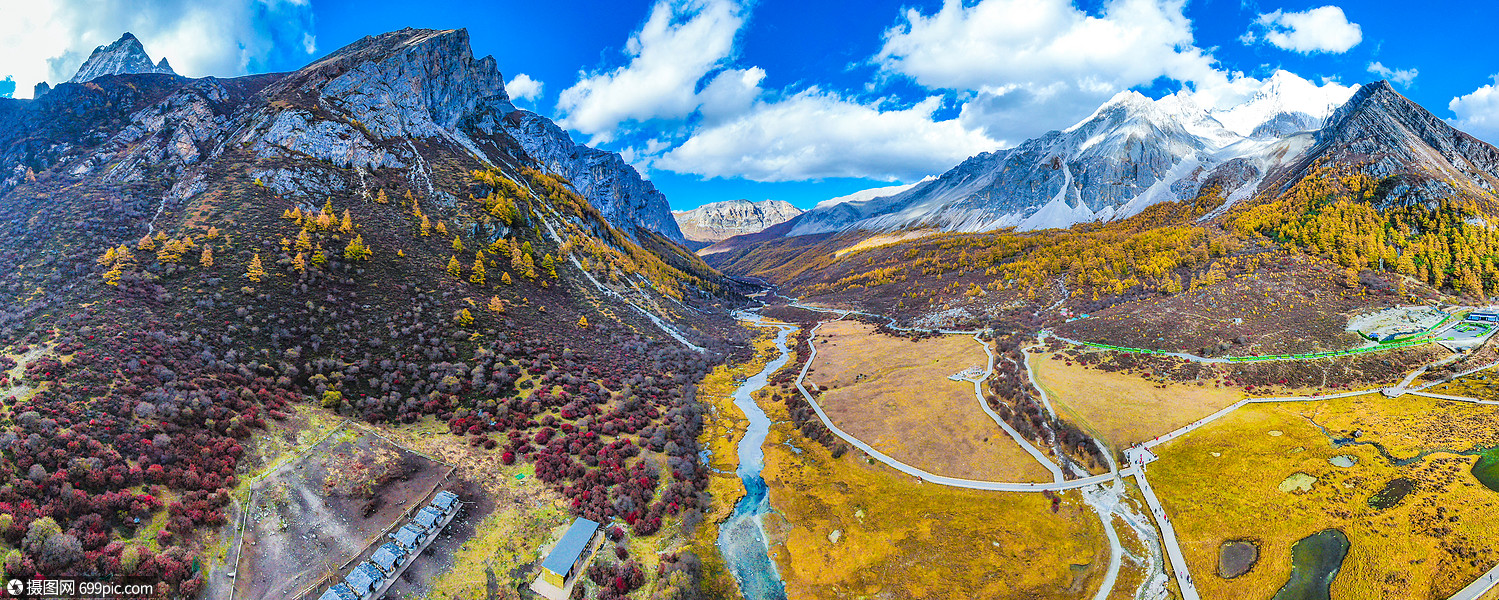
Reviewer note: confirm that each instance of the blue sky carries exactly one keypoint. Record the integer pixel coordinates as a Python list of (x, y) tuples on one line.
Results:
[(806, 100)]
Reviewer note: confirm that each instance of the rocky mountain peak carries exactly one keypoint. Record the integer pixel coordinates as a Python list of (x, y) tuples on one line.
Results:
[(1391, 138), (407, 83), (718, 221), (124, 56)]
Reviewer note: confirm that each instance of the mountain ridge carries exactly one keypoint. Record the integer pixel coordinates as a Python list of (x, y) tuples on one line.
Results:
[(718, 221)]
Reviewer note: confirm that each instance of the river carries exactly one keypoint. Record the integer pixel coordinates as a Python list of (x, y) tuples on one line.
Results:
[(741, 538)]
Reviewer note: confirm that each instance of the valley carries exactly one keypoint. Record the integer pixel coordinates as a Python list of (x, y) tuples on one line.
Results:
[(252, 327)]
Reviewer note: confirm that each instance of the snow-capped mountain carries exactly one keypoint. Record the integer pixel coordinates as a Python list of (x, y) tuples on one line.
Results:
[(1130, 153), (125, 55), (718, 221)]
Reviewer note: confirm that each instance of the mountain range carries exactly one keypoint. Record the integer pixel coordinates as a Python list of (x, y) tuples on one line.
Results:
[(718, 221), (1134, 152)]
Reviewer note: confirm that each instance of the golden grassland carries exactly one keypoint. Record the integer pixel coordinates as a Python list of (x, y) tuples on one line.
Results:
[(894, 393), (1221, 483), (884, 239), (898, 538), (723, 426), (1121, 408)]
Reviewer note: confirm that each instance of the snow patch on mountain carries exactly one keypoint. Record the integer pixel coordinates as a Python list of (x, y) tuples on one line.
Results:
[(124, 56), (1130, 153)]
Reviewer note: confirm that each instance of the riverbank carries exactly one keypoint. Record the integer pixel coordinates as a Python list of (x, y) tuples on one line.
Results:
[(724, 426)]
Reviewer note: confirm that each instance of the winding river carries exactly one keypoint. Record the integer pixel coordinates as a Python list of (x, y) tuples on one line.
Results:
[(741, 538)]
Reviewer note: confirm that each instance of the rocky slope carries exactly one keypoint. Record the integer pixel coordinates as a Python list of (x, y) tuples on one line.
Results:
[(124, 56), (717, 221), (1418, 156), (612, 185), (185, 264)]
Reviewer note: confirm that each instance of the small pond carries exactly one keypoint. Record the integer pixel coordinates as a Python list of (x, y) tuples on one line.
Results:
[(1315, 561)]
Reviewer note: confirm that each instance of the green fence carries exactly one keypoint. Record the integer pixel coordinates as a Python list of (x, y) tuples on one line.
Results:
[(1405, 342)]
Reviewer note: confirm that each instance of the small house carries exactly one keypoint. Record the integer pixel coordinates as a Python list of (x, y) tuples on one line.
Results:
[(1484, 316), (563, 562), (388, 556), (428, 519), (365, 579), (445, 501), (339, 591), (409, 536)]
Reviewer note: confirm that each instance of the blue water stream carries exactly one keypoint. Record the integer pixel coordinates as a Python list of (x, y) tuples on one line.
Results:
[(741, 538)]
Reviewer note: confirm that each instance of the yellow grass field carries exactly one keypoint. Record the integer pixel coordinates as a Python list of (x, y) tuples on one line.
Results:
[(1221, 483), (1124, 409), (849, 529), (895, 394)]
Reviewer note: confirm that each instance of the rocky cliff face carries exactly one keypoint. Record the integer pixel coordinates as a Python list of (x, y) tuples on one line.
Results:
[(604, 178), (1390, 138), (717, 221), (124, 56)]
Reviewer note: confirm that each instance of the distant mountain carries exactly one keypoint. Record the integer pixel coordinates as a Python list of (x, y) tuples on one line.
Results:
[(717, 221), (124, 56), (1129, 154)]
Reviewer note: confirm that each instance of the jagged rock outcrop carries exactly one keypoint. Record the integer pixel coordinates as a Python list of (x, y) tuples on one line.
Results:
[(717, 221), (124, 56), (1419, 156)]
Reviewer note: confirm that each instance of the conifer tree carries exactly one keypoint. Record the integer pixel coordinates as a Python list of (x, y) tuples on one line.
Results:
[(304, 242), (256, 270), (583, 322), (478, 273), (346, 225), (205, 259), (463, 317), (505, 278), (356, 250), (457, 243), (496, 304), (146, 244), (455, 270)]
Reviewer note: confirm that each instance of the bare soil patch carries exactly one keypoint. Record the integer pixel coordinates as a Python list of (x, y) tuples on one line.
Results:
[(310, 517)]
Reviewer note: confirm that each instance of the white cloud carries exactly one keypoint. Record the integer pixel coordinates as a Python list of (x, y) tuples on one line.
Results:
[(1404, 77), (1321, 29), (1025, 67), (522, 87), (680, 43), (309, 42), (47, 41), (816, 134), (1478, 112), (1006, 45)]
